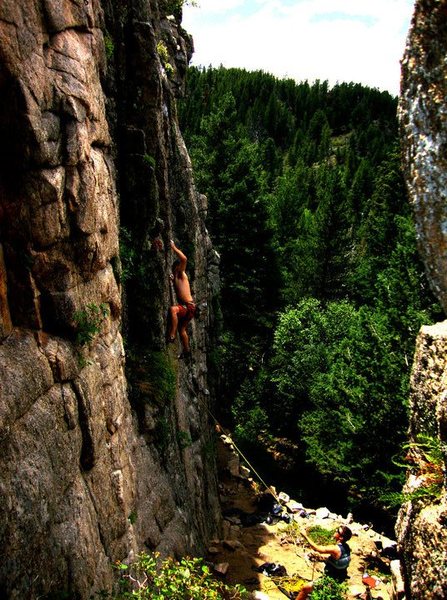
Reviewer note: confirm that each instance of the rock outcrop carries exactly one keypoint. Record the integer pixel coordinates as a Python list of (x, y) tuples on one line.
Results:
[(421, 526), (102, 453), (423, 119)]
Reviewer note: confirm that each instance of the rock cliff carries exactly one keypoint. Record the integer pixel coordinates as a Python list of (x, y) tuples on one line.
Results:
[(423, 119), (422, 522), (103, 452)]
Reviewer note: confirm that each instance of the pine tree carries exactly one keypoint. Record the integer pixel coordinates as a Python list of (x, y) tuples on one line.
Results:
[(334, 225), (229, 172)]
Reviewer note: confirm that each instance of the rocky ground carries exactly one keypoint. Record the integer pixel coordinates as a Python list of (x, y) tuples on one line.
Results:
[(243, 549)]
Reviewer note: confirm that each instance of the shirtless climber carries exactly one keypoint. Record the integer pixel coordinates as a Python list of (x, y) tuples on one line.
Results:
[(183, 312)]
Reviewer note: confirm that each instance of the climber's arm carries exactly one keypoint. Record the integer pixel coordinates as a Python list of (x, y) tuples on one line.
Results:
[(181, 256)]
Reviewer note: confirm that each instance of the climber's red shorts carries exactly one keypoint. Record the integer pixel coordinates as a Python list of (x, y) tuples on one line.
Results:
[(186, 311)]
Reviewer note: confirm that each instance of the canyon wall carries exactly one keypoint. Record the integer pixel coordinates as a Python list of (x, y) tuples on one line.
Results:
[(422, 522), (104, 451)]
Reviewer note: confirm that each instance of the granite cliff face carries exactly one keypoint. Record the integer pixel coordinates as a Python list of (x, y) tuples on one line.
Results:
[(423, 118), (422, 525), (103, 453)]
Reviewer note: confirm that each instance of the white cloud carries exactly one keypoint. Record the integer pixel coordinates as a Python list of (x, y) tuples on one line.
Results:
[(217, 6), (338, 40)]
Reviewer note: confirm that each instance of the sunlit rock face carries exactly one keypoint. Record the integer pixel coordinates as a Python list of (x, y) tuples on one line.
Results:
[(423, 119), (422, 524), (96, 465)]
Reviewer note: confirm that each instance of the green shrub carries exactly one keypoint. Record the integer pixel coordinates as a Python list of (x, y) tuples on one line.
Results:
[(255, 422), (109, 46), (152, 375), (132, 518), (164, 58), (174, 6), (88, 322), (327, 588), (148, 578), (161, 379), (425, 458), (321, 535), (150, 160)]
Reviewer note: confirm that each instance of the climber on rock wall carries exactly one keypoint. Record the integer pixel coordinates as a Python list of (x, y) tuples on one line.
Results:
[(182, 312)]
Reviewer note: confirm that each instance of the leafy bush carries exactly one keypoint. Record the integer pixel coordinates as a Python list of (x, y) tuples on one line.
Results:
[(425, 458), (327, 588), (330, 362), (150, 160), (174, 6), (88, 322), (153, 376), (256, 422), (164, 57), (109, 46), (148, 578), (321, 535), (250, 417)]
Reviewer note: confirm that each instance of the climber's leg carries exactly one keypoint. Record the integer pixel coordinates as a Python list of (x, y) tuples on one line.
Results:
[(184, 336), (173, 313)]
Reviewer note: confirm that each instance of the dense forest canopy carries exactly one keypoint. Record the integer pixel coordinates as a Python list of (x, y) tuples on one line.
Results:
[(322, 292)]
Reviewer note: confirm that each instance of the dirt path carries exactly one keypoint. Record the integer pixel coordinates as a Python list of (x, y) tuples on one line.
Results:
[(245, 548)]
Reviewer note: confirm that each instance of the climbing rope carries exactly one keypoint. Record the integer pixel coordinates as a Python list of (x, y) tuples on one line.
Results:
[(242, 455), (244, 458), (289, 586)]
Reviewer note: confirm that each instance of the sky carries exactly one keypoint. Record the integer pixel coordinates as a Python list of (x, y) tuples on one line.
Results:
[(359, 41)]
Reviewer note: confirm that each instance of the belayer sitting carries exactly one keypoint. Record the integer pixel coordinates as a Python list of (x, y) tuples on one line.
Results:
[(336, 564)]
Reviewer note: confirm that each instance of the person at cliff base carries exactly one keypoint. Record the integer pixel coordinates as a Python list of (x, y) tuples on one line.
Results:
[(337, 562), (183, 312)]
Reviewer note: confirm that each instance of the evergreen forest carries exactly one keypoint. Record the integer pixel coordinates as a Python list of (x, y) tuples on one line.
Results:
[(323, 292)]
